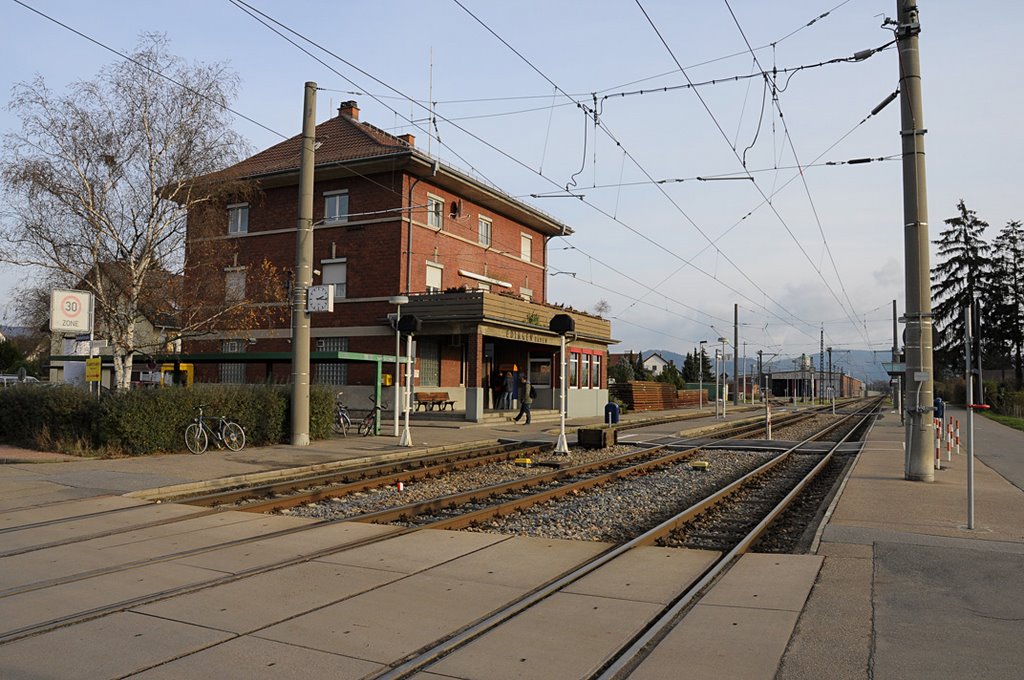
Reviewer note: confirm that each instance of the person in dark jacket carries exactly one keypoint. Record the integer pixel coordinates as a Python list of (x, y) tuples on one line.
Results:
[(525, 400), (510, 388)]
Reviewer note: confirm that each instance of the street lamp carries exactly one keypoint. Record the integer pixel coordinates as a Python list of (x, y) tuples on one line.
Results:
[(562, 324), (398, 300), (409, 325), (700, 373), (724, 342)]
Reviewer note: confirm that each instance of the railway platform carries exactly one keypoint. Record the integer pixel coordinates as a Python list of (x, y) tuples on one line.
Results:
[(905, 589), (897, 586)]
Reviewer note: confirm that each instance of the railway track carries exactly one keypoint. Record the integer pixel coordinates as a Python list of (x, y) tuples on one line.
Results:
[(628, 657), (622, 466)]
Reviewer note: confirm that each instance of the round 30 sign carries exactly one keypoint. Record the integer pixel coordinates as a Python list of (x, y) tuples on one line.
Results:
[(70, 311)]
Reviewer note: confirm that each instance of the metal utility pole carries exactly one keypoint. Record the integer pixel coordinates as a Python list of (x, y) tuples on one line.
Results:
[(897, 393), (303, 275), (969, 377), (821, 364), (735, 354), (919, 370)]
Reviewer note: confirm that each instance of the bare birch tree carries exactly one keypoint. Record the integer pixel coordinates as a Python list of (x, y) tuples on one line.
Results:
[(99, 181)]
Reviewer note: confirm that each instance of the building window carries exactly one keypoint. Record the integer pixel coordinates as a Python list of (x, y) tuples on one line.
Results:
[(232, 373), (238, 218), (234, 284), (430, 363), (585, 370), (435, 212), (331, 373), (484, 232), (336, 206), (574, 369), (335, 272), (595, 371), (525, 246), (434, 277)]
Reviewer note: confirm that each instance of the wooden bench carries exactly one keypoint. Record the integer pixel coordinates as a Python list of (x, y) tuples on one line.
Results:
[(428, 400)]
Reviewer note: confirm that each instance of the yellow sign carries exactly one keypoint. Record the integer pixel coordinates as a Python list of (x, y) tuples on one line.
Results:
[(186, 375), (93, 369)]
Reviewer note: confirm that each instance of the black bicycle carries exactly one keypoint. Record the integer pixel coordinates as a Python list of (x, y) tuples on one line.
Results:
[(224, 432), (369, 424)]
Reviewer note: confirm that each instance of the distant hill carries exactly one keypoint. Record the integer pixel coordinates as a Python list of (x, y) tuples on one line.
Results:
[(862, 364)]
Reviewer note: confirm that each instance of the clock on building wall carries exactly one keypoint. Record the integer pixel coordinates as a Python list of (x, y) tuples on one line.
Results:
[(320, 299)]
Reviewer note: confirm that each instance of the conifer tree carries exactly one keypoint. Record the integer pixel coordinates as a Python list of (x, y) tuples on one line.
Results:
[(960, 276), (1006, 304)]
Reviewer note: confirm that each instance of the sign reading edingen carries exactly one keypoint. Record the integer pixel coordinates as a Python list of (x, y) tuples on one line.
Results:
[(70, 311)]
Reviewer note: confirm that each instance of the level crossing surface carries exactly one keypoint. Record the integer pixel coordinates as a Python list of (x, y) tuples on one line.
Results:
[(898, 587)]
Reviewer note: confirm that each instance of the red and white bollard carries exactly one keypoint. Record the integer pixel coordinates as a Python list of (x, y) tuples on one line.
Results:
[(957, 437), (938, 443)]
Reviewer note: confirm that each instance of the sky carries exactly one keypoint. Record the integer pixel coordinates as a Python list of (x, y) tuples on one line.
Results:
[(805, 245)]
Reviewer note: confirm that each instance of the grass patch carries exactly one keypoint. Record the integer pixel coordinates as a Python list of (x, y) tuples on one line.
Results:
[(1009, 421)]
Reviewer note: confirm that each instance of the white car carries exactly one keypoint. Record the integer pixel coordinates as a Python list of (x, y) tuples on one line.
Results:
[(9, 379)]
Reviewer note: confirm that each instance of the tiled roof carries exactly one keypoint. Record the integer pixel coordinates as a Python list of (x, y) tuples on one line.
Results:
[(341, 138)]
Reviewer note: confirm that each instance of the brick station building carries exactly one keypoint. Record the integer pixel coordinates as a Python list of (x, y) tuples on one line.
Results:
[(391, 220)]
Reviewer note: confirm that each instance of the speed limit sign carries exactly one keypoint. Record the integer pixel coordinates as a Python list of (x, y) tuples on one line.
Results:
[(70, 311)]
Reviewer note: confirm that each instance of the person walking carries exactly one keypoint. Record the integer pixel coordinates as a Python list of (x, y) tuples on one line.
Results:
[(526, 395)]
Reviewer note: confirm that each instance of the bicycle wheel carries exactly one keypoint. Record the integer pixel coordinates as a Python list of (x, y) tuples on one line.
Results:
[(234, 436), (195, 438), (341, 423), (366, 426)]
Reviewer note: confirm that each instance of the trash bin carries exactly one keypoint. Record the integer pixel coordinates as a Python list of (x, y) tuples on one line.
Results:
[(611, 413)]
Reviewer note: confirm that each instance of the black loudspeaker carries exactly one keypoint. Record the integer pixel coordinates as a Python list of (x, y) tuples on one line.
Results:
[(562, 324), (409, 325)]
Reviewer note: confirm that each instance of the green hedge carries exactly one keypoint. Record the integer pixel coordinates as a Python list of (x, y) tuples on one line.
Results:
[(138, 422)]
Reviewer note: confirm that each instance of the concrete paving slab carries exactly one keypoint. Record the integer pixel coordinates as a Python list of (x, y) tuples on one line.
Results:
[(416, 551), (13, 519), (110, 647), (195, 532), (520, 561), (944, 613), (265, 599), (41, 606), (38, 566), (23, 537), (234, 559), (646, 574), (248, 658), (110, 551), (767, 581), (853, 550), (394, 620), (738, 643), (833, 636), (564, 636)]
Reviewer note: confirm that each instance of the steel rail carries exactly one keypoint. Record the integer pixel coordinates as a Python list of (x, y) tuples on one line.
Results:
[(390, 469), (628, 657), (430, 655)]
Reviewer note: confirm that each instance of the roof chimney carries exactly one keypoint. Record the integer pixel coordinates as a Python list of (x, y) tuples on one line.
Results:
[(350, 109), (408, 139)]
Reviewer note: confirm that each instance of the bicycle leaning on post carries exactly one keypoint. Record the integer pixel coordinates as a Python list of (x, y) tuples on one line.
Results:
[(342, 422), (224, 433), (368, 425)]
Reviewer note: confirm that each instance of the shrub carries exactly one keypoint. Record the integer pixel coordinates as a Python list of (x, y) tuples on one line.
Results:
[(65, 418)]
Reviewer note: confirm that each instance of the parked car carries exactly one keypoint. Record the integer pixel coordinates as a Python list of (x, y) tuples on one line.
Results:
[(10, 379)]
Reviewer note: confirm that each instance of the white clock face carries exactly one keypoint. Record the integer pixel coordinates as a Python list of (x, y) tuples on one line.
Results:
[(319, 299)]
